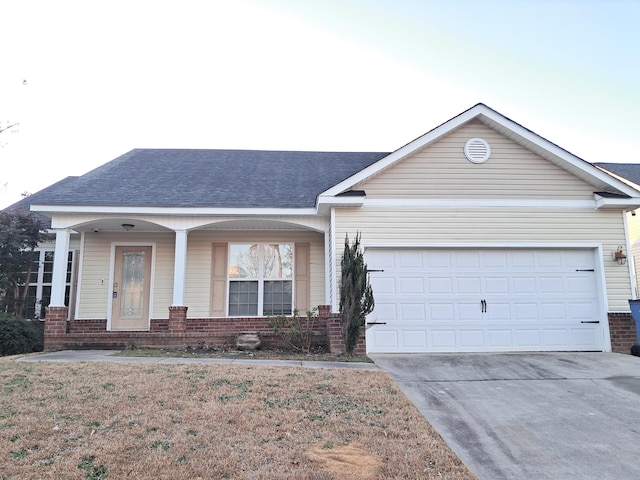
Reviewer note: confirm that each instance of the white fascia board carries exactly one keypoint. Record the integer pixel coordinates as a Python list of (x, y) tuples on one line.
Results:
[(50, 209), (325, 203), (480, 111), (557, 151), (467, 203), (617, 203)]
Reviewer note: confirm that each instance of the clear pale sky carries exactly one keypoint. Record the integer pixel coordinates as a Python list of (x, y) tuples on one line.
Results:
[(105, 77)]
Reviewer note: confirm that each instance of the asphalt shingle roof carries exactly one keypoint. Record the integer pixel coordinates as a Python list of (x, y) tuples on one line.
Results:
[(629, 171), (210, 178)]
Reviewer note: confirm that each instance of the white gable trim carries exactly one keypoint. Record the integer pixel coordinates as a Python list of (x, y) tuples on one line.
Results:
[(497, 121)]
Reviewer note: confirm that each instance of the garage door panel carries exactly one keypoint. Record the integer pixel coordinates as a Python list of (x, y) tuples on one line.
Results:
[(527, 338), (499, 338), (408, 261), (556, 337), (496, 260), (382, 340), (443, 340), (435, 261), (413, 313), (497, 285), (584, 337), (441, 312), (550, 285), (414, 339), (440, 285), (469, 311), (580, 285), (553, 311), (522, 259), (548, 259), (383, 285), (525, 311), (580, 311), (471, 338), (430, 300), (381, 259), (468, 285), (412, 286), (498, 312), (467, 260), (524, 285), (384, 312)]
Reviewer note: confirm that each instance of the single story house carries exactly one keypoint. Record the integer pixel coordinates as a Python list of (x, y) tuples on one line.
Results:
[(480, 236)]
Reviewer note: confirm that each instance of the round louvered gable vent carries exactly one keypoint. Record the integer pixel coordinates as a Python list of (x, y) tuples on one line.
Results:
[(477, 150)]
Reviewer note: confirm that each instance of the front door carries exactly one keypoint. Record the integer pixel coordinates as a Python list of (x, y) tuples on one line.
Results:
[(131, 281)]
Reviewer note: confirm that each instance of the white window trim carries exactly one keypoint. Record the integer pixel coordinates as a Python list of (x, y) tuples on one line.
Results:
[(260, 279)]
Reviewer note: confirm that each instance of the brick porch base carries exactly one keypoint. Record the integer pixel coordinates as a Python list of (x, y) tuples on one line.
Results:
[(178, 331)]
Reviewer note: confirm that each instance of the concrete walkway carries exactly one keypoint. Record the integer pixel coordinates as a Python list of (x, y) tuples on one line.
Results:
[(109, 356)]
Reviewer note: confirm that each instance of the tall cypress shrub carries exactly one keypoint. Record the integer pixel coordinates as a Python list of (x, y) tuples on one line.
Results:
[(356, 296)]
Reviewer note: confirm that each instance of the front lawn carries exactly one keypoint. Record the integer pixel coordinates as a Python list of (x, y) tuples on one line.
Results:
[(154, 421)]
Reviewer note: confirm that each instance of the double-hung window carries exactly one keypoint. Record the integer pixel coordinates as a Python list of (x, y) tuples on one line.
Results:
[(260, 279)]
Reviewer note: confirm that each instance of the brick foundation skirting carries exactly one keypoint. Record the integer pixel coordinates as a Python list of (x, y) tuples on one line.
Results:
[(623, 332), (181, 332), (222, 332)]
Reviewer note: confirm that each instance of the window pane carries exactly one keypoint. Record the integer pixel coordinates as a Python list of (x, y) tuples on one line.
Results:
[(33, 279), (278, 261), (277, 298), (243, 298), (243, 261), (69, 266), (48, 267)]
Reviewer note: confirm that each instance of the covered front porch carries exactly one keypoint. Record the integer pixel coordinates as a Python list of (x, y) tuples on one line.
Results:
[(187, 290)]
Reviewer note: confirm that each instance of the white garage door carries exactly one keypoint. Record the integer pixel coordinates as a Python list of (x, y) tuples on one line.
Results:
[(486, 300)]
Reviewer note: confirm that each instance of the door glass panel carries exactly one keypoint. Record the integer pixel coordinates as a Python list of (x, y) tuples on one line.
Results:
[(132, 286)]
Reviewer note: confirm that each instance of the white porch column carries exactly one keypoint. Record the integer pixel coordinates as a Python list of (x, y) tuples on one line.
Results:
[(180, 268), (59, 276)]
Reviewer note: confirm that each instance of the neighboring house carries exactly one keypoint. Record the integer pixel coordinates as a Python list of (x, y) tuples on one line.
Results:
[(479, 235)]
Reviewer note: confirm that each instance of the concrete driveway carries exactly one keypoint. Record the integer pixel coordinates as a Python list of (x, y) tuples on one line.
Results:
[(536, 415)]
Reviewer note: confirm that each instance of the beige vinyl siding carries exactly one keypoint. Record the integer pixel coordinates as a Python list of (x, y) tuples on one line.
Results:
[(94, 282), (199, 261), (495, 226), (163, 277), (442, 171)]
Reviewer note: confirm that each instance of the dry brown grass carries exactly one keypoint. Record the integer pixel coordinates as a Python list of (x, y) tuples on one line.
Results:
[(106, 420)]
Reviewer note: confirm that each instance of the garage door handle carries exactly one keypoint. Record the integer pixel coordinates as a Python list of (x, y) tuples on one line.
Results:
[(586, 270), (483, 306), (376, 323), (590, 321)]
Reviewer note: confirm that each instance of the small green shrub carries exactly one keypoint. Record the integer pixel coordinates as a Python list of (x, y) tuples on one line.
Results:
[(18, 335), (297, 330)]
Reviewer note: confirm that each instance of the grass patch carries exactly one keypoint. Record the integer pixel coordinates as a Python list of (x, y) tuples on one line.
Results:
[(212, 421), (267, 354)]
